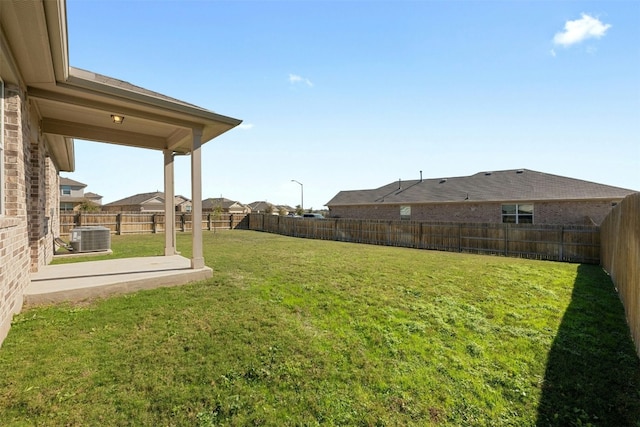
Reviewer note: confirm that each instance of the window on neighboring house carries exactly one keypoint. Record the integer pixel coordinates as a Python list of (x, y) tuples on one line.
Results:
[(66, 206), (187, 208), (405, 212), (1, 147), (66, 190), (517, 213)]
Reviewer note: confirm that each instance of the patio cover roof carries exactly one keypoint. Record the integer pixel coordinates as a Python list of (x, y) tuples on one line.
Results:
[(75, 103)]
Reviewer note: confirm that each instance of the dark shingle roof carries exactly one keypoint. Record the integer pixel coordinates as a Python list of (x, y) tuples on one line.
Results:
[(137, 199), (124, 85), (70, 182), (260, 205), (508, 185), (212, 203)]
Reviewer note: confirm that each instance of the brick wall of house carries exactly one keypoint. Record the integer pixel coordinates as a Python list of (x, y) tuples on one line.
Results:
[(442, 212), (53, 204), (579, 213), (567, 213), (39, 172), (14, 234)]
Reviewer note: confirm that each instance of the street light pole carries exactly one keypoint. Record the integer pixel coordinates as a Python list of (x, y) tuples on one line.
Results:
[(301, 194)]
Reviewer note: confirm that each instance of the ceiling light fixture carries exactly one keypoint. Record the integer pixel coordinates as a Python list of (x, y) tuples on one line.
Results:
[(117, 119)]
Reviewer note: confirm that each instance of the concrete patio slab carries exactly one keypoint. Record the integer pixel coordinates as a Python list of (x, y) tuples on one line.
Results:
[(92, 279)]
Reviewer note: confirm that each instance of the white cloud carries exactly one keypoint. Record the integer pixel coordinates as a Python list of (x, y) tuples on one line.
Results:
[(245, 126), (579, 30), (295, 79), (553, 52)]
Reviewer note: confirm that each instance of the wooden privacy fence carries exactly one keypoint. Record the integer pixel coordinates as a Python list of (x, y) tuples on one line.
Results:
[(621, 258), (546, 242), (141, 223)]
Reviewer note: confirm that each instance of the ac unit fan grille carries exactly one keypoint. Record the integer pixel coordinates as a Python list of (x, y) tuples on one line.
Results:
[(90, 239)]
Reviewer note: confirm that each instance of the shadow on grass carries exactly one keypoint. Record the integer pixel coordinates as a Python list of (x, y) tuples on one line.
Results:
[(593, 372)]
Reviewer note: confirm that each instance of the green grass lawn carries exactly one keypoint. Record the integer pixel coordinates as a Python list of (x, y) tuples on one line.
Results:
[(302, 332)]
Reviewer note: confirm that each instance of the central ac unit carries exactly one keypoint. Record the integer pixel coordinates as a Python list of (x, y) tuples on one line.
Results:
[(90, 239)]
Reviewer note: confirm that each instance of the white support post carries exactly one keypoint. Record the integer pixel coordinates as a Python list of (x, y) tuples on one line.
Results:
[(169, 206), (197, 260)]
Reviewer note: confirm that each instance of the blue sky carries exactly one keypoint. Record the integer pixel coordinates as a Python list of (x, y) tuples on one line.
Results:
[(347, 95)]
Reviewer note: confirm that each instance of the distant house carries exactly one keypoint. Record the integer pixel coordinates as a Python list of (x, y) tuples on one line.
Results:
[(224, 205), (147, 203), (183, 205), (266, 207), (72, 195), (285, 209), (262, 207), (511, 196)]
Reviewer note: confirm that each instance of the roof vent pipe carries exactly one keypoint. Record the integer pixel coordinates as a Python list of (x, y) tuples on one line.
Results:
[(420, 176), (399, 183)]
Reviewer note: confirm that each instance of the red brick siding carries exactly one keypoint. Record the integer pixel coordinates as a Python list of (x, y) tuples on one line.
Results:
[(575, 213), (560, 212), (14, 238), (39, 173), (30, 192)]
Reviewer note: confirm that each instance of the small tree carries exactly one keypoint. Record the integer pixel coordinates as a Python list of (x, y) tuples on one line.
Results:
[(217, 214), (299, 210), (88, 206), (282, 211), (269, 209)]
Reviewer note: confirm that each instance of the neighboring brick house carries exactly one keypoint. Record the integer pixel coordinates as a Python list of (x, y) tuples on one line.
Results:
[(44, 103), (147, 203), (263, 207), (509, 196), (224, 206), (72, 195)]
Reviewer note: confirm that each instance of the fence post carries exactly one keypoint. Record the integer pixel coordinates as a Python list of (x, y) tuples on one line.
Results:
[(561, 243), (79, 219), (231, 222), (118, 224), (153, 224), (209, 221), (460, 237), (506, 239), (182, 222)]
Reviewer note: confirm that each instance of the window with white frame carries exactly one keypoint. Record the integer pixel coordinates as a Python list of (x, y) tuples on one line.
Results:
[(66, 190), (517, 213), (405, 212), (1, 147)]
